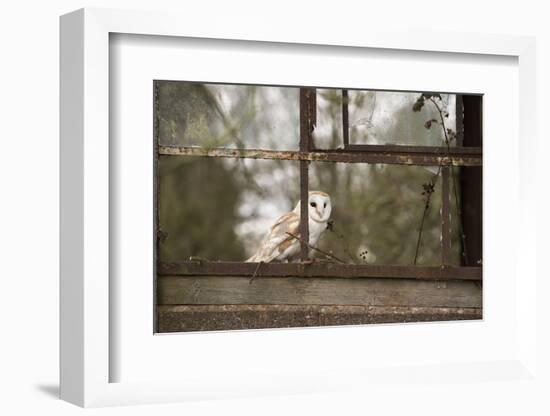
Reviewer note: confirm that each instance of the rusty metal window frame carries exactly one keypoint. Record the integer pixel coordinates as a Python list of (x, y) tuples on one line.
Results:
[(447, 158)]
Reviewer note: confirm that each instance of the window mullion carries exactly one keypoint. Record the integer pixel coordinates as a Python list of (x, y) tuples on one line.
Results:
[(471, 180), (345, 118), (307, 120), (445, 216), (459, 121), (304, 215)]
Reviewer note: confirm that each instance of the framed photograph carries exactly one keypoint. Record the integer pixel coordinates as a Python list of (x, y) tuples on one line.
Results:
[(242, 216), (389, 185)]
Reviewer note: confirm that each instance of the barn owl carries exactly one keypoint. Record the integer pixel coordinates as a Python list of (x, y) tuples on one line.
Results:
[(279, 245)]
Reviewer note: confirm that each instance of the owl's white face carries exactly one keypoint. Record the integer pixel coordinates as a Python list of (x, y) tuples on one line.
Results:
[(319, 206)]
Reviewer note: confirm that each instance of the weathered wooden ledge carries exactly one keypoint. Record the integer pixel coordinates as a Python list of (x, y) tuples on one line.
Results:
[(230, 290), (186, 318), (325, 269)]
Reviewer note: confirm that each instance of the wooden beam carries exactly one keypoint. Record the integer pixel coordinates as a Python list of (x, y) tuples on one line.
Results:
[(185, 318), (332, 270), (178, 290)]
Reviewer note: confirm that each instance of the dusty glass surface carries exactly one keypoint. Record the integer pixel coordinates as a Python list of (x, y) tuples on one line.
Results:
[(384, 118), (328, 130), (230, 116), (220, 209), (380, 117), (377, 211), (377, 208)]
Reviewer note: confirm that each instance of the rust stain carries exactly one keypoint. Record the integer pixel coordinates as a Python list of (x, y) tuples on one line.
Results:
[(391, 156)]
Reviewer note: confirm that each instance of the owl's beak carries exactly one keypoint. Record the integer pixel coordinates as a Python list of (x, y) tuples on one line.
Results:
[(319, 213)]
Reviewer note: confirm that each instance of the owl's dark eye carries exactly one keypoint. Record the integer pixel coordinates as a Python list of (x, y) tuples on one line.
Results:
[(313, 204), (325, 205)]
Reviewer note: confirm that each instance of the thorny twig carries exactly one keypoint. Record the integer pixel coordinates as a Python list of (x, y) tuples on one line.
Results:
[(326, 254), (345, 245)]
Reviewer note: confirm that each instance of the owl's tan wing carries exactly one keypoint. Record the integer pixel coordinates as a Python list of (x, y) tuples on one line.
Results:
[(277, 239)]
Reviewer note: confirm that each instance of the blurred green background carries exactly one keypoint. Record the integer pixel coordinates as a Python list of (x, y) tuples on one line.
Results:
[(220, 209)]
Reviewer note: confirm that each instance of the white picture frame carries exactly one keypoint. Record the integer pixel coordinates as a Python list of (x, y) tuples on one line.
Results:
[(87, 356)]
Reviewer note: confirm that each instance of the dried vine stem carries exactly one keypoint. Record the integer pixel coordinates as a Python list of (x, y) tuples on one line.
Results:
[(453, 176), (428, 190), (326, 254), (341, 237)]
